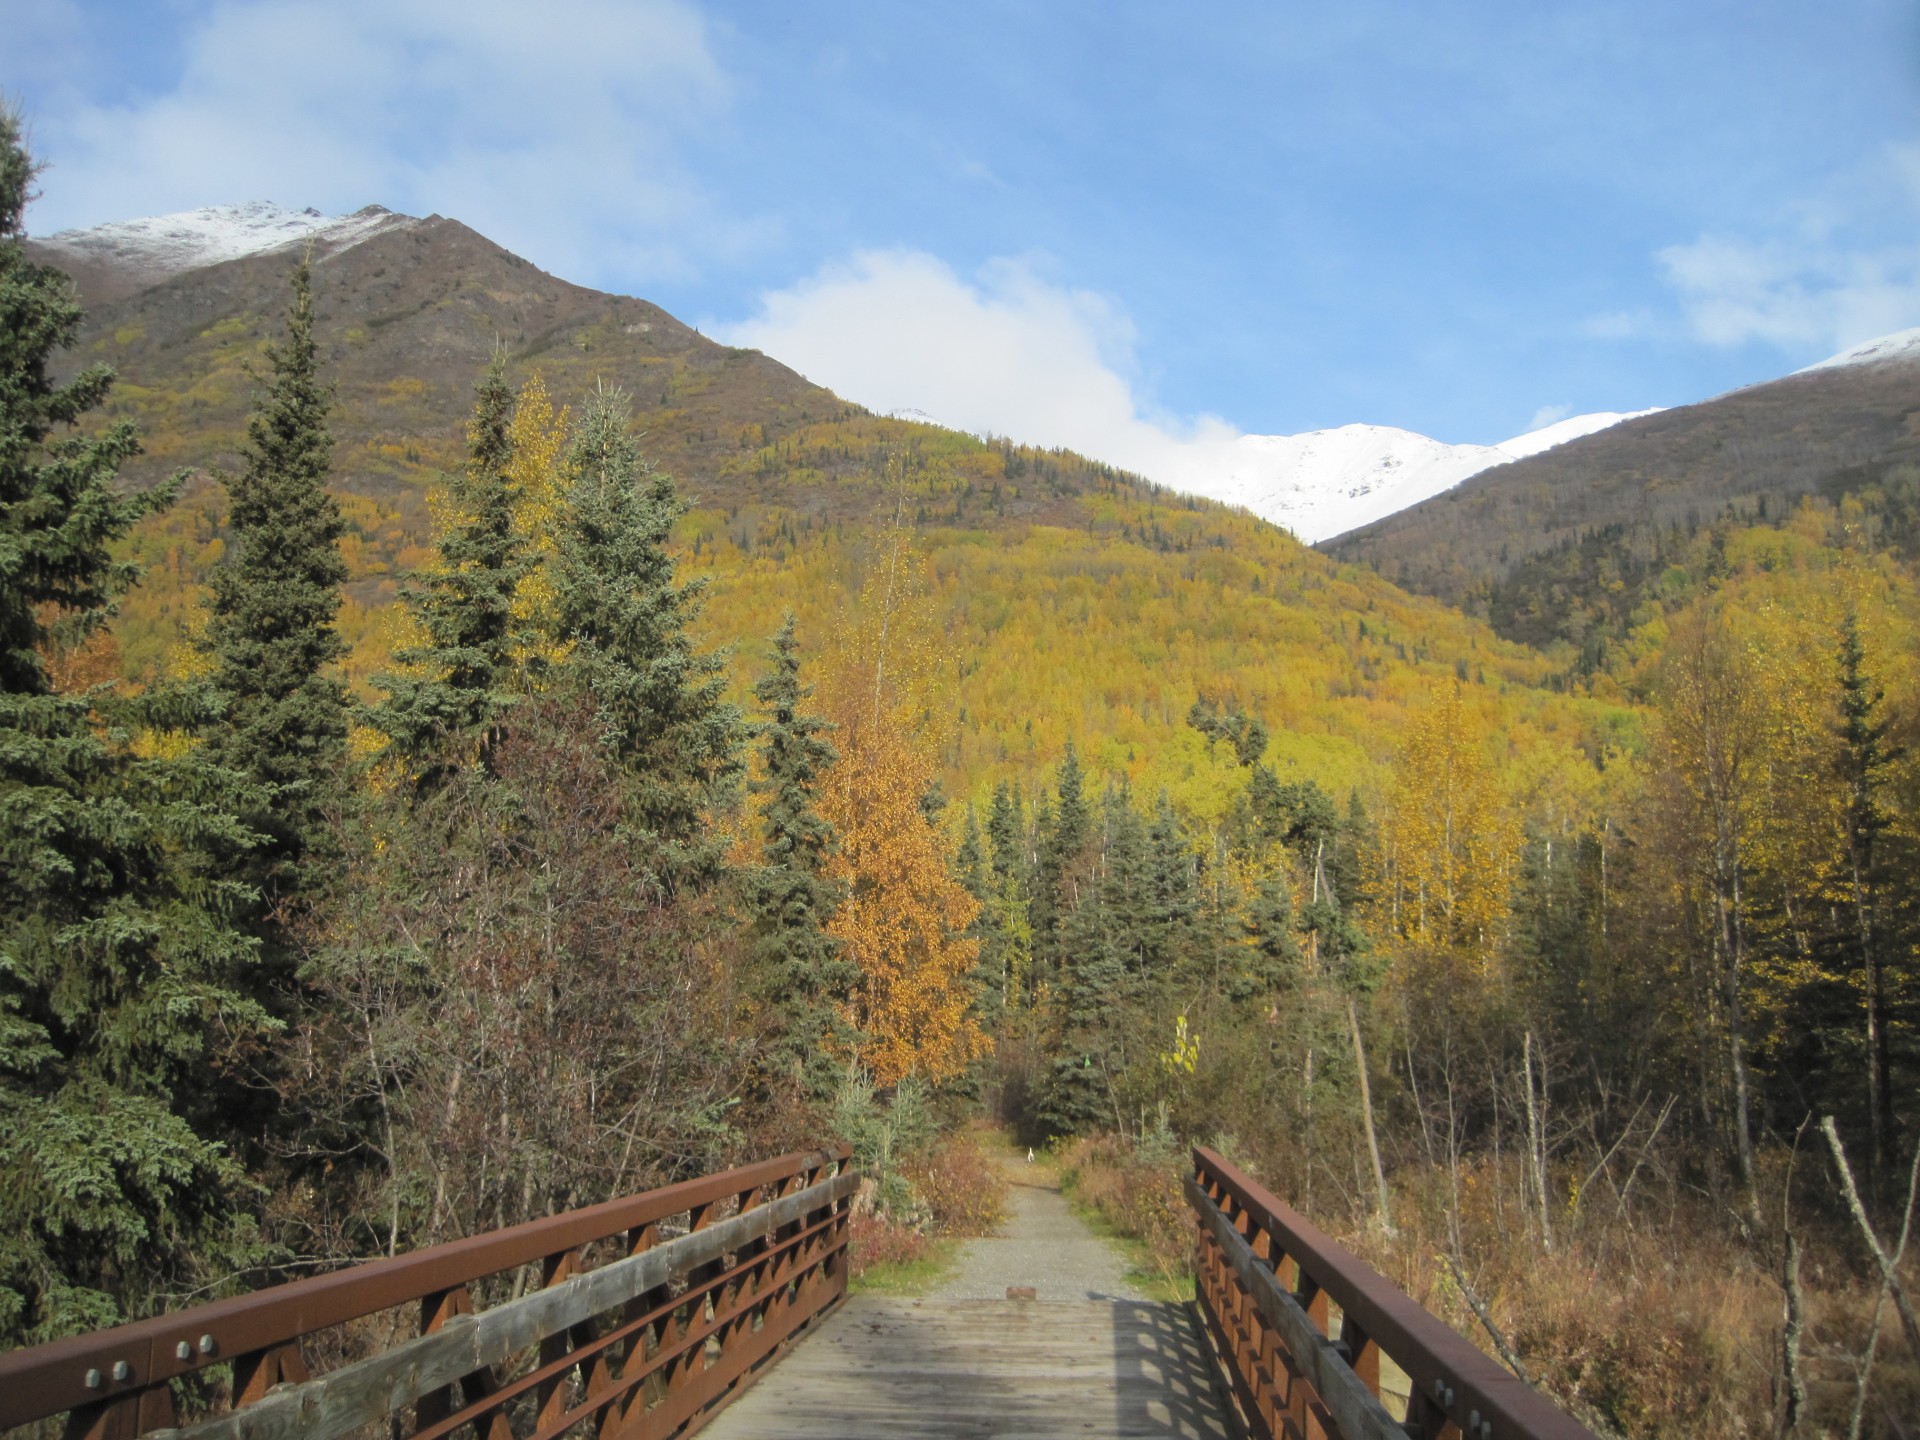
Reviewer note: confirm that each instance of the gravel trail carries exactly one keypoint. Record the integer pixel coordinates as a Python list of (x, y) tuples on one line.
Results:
[(1042, 1244)]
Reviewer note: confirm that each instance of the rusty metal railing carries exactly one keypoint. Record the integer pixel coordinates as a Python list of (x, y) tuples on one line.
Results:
[(641, 1336), (1267, 1280)]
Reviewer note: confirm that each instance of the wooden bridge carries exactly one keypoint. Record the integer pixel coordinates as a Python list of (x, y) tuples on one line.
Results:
[(723, 1301)]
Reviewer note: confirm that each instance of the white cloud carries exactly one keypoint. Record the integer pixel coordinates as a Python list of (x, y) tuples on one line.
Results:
[(1833, 277), (1792, 295), (540, 126), (1547, 415), (1008, 353)]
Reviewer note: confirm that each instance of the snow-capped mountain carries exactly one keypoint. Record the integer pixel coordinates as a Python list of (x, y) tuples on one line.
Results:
[(1326, 482), (149, 251), (1901, 345)]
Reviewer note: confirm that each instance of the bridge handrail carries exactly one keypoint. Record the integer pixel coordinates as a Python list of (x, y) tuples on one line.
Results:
[(1295, 1264), (114, 1383)]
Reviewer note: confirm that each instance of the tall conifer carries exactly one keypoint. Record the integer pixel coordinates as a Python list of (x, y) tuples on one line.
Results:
[(448, 707), (662, 705), (804, 980), (1063, 832), (117, 970), (284, 713)]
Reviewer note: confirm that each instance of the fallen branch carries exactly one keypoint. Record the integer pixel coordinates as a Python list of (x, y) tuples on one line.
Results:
[(1586, 1413), (1889, 1277), (1485, 1317)]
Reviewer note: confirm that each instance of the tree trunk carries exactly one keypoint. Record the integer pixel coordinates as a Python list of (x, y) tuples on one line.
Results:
[(1732, 939), (1536, 1142), (1366, 1114)]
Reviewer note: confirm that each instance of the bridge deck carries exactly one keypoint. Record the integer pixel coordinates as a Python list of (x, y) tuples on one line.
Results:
[(1009, 1369)]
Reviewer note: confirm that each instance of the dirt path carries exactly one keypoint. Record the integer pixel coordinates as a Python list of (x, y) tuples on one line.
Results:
[(1042, 1244)]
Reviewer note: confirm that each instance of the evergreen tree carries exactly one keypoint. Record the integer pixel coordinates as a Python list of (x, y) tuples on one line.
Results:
[(118, 968), (804, 980), (1173, 899), (447, 709), (1006, 827), (1865, 756), (283, 719), (662, 705), (1273, 954), (1125, 890), (976, 873), (1063, 831), (1008, 876), (1087, 1055)]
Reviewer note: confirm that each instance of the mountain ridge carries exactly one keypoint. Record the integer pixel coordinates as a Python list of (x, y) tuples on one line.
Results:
[(1316, 485)]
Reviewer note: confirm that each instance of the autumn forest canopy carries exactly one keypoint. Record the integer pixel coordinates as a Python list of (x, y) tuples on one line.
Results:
[(410, 828)]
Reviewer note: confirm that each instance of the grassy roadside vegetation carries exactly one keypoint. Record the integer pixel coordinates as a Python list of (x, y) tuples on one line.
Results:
[(1131, 1199), (883, 1268), (928, 1187)]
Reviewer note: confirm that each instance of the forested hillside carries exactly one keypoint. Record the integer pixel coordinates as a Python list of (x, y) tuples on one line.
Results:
[(554, 754), (1089, 604)]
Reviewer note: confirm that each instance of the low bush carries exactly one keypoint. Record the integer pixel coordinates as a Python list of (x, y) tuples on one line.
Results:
[(873, 1240), (964, 1191), (1136, 1189)]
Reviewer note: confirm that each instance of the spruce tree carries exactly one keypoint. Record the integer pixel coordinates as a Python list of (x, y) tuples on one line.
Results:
[(803, 978), (661, 704), (1008, 880), (1169, 902), (1006, 827), (119, 969), (447, 709), (1865, 756), (975, 872), (283, 719), (1273, 954), (1063, 832)]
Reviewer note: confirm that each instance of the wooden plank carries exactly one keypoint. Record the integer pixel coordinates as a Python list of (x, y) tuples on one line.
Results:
[(969, 1369), (363, 1392)]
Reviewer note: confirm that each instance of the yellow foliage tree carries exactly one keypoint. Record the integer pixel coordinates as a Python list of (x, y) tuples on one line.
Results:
[(1450, 842), (538, 435)]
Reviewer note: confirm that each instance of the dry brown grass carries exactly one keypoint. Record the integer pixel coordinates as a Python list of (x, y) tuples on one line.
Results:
[(1665, 1324), (1663, 1319)]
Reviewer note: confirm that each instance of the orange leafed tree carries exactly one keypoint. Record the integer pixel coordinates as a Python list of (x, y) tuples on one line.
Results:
[(904, 912)]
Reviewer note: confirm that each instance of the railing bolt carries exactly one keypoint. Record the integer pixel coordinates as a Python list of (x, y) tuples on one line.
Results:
[(183, 1351), (206, 1344), (93, 1379), (121, 1370)]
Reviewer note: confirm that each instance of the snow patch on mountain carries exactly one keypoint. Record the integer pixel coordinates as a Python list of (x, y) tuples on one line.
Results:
[(1901, 345), (161, 246), (1326, 482)]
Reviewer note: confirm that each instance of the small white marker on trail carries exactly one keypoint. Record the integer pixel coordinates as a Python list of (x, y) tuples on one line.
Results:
[(1029, 1155)]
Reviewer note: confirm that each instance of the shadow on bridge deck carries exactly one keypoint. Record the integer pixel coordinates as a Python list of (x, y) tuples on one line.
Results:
[(970, 1369)]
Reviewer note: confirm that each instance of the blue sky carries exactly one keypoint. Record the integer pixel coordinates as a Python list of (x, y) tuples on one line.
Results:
[(1111, 225)]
